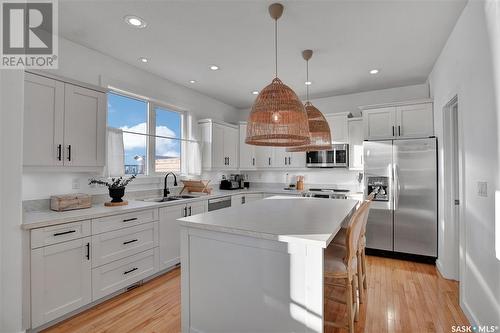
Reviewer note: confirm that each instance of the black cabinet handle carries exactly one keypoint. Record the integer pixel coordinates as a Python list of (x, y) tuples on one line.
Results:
[(392, 130), (130, 270), (243, 200), (190, 211), (132, 219), (399, 130), (64, 232), (130, 241), (289, 160), (185, 211), (253, 160), (88, 251), (69, 152), (269, 161), (285, 161), (59, 152)]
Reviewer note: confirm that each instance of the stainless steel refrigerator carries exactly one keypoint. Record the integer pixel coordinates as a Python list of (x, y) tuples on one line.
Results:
[(403, 215)]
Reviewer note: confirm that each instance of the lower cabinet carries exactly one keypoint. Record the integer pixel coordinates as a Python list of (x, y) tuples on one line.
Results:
[(60, 279), (170, 231)]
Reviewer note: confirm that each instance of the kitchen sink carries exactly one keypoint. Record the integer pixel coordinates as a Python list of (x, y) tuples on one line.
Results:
[(170, 198)]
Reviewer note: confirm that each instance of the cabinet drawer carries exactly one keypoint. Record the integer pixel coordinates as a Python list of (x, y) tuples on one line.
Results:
[(122, 273), (118, 244), (59, 233), (115, 222)]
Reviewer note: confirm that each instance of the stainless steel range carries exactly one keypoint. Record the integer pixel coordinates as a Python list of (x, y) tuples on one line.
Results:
[(327, 193)]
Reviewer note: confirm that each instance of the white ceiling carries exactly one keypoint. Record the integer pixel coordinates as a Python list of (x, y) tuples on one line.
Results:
[(182, 38)]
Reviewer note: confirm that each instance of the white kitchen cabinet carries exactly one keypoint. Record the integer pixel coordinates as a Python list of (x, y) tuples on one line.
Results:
[(220, 143), (338, 126), (265, 157), (43, 121), (241, 199), (248, 159), (60, 280), (380, 123), (415, 121), (400, 121), (356, 143), (170, 231), (64, 123), (286, 160)]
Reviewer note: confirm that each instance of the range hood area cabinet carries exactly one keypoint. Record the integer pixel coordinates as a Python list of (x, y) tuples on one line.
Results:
[(219, 145), (339, 128), (407, 120), (64, 123)]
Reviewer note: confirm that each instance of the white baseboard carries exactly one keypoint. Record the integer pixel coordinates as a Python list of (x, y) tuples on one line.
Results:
[(468, 313), (444, 273)]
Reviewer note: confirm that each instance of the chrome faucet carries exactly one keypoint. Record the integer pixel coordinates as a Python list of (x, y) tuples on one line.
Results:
[(166, 192)]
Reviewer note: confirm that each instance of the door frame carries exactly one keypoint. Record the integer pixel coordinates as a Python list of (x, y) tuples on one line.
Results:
[(450, 139)]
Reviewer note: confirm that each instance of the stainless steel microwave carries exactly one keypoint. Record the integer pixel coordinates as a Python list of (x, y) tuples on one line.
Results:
[(338, 157)]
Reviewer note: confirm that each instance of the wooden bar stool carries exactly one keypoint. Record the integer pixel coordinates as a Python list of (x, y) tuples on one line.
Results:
[(340, 266)]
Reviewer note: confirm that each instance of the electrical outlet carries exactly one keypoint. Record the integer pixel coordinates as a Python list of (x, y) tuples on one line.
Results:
[(75, 184), (482, 189)]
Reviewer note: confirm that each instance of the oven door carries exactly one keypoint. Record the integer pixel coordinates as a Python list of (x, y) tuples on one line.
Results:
[(341, 155), (320, 159)]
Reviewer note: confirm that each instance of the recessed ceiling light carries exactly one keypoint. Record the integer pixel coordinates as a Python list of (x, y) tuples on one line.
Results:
[(214, 67), (192, 81), (374, 71), (135, 21), (255, 92), (308, 83), (144, 60)]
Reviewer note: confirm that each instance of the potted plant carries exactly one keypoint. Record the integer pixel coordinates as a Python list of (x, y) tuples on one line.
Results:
[(116, 186)]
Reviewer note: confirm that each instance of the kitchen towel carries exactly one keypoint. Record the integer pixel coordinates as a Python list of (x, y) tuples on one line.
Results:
[(116, 161)]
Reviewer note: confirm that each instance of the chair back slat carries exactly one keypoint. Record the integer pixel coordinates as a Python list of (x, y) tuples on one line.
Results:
[(353, 233)]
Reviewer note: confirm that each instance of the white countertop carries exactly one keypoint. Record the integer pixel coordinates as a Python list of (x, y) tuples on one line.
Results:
[(287, 219)]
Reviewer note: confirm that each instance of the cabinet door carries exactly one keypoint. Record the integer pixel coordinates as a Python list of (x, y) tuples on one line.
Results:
[(247, 152), (415, 121), (231, 139), (170, 235), (297, 160), (218, 157), (280, 159), (380, 123), (338, 127), (356, 144), (84, 126), (60, 280), (265, 157), (198, 207), (43, 121)]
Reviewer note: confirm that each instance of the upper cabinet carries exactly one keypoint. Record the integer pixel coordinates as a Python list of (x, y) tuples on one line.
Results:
[(338, 126), (356, 143), (248, 158), (405, 120), (64, 123), (219, 145)]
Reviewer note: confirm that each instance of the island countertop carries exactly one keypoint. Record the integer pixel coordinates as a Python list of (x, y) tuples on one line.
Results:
[(311, 220)]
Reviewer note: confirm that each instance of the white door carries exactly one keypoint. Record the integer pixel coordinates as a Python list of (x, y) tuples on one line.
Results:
[(198, 207), (43, 121), (218, 158), (84, 126), (247, 152), (280, 158), (170, 235), (380, 123), (265, 156), (231, 139), (415, 121), (356, 144), (338, 127), (297, 160), (60, 280)]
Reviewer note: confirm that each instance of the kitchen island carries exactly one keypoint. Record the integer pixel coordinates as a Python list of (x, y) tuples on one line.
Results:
[(258, 267)]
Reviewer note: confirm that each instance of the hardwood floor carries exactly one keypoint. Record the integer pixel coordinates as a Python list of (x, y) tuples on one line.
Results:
[(402, 296)]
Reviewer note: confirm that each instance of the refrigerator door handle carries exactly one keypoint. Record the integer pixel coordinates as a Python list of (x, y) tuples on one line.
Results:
[(397, 186)]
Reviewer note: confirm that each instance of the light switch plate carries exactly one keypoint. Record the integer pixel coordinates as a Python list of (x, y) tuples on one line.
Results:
[(482, 189)]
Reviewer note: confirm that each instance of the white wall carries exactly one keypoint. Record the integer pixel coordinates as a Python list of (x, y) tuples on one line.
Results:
[(83, 64), (351, 102), (11, 249), (466, 68)]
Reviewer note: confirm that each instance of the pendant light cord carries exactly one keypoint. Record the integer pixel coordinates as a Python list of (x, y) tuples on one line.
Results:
[(307, 80), (276, 48)]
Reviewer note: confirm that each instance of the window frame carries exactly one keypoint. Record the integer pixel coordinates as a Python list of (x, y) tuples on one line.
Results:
[(151, 136)]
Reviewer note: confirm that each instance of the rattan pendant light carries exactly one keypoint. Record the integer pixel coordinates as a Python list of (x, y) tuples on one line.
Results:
[(278, 117), (319, 130)]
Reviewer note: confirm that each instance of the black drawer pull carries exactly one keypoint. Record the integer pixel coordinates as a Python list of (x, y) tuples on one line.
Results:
[(64, 232), (130, 270), (88, 251), (59, 152), (130, 241), (132, 219)]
